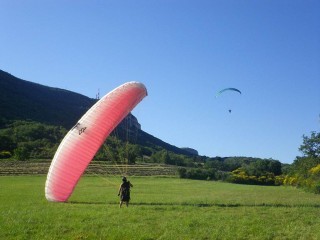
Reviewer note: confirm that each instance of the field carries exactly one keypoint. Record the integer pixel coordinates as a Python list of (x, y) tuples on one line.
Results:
[(161, 208)]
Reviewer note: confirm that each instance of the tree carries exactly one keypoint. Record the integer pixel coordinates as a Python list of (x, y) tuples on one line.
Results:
[(311, 150), (6, 143), (22, 153), (216, 164), (304, 170), (311, 145), (129, 153)]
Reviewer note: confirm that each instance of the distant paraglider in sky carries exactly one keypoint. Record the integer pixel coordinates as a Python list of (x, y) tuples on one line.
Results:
[(228, 89), (81, 143), (225, 90)]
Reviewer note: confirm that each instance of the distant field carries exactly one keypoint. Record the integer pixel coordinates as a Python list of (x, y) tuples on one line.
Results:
[(162, 208), (33, 167)]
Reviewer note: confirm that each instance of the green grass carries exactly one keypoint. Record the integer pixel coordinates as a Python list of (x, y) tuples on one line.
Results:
[(161, 208)]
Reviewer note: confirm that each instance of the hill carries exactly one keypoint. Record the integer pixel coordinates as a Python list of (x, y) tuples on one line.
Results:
[(25, 100)]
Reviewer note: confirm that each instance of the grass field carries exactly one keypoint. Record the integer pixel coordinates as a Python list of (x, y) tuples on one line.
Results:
[(162, 208)]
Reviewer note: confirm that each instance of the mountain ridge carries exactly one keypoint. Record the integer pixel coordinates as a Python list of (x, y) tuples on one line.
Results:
[(24, 100)]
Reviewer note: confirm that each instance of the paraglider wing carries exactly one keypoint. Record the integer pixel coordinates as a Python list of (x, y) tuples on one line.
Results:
[(83, 141), (228, 89)]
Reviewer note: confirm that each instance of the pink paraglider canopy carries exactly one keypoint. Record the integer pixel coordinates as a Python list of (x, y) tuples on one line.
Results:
[(82, 142)]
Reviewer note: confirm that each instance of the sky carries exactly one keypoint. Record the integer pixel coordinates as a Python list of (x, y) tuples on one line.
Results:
[(184, 52)]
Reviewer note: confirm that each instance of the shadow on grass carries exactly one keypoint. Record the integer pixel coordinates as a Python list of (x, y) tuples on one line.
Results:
[(88, 203), (227, 205)]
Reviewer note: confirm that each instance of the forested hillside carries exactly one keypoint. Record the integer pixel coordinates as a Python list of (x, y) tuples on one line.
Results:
[(24, 100)]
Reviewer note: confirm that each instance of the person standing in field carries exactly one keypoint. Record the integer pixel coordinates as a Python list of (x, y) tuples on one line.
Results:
[(124, 191)]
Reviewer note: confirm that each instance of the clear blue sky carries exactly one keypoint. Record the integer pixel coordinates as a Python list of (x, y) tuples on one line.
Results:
[(184, 52)]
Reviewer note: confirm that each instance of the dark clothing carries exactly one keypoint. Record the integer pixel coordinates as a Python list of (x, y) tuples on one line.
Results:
[(125, 191)]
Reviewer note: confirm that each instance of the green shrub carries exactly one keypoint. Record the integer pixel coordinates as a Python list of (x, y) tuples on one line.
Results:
[(5, 154)]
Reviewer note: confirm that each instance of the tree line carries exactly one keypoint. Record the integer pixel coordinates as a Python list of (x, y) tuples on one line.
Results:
[(305, 170), (242, 170), (24, 140)]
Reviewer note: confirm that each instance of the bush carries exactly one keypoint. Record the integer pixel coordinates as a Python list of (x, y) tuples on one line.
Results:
[(5, 154), (317, 188), (198, 173), (242, 177), (21, 153), (182, 172)]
